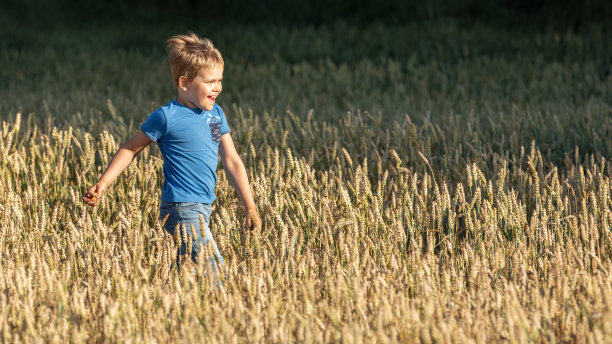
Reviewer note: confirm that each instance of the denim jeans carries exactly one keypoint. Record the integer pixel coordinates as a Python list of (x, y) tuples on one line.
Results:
[(187, 214)]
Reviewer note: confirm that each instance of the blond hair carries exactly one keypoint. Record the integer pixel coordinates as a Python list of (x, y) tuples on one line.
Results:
[(189, 53)]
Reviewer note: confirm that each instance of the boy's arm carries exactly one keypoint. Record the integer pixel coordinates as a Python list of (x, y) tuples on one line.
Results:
[(120, 161), (238, 178)]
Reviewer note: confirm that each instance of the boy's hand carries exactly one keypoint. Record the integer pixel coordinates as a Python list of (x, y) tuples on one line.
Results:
[(253, 220), (124, 156), (94, 193)]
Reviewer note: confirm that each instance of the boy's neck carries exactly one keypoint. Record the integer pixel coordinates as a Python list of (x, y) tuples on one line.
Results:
[(183, 101)]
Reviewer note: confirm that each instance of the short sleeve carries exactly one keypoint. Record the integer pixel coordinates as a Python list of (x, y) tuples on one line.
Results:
[(155, 125), (224, 126)]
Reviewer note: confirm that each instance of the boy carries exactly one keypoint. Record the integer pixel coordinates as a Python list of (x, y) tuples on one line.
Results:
[(190, 131)]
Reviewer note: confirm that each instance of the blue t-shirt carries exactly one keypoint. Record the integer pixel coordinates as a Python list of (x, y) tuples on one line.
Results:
[(189, 143)]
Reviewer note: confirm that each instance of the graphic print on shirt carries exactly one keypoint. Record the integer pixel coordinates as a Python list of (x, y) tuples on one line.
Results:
[(214, 122)]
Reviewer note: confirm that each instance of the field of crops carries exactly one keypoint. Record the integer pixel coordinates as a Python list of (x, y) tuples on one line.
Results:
[(426, 182)]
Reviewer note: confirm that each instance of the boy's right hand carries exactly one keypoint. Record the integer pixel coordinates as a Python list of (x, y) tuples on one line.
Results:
[(94, 193)]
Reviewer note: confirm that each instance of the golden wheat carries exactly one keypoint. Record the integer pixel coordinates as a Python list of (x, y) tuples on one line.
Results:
[(348, 252)]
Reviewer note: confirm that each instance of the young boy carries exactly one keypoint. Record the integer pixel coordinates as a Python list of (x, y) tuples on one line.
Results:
[(190, 131)]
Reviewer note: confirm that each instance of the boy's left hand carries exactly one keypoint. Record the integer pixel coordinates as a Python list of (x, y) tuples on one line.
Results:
[(253, 221)]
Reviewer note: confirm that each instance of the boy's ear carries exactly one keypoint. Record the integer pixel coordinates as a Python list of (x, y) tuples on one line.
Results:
[(183, 83)]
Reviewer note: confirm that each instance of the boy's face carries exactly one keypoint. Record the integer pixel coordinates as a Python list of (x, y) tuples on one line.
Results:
[(202, 91)]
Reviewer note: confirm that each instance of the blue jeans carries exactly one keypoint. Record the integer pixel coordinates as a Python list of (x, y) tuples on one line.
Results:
[(187, 215)]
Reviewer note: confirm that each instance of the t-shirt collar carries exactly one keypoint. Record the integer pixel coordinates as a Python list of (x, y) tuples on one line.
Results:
[(196, 111)]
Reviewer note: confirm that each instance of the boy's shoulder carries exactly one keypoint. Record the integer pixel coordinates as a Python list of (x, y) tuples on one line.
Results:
[(171, 106)]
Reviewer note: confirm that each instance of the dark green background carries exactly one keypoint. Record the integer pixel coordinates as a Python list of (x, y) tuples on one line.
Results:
[(513, 14), (491, 75)]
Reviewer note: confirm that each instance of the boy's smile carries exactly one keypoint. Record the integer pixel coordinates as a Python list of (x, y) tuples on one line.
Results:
[(203, 90)]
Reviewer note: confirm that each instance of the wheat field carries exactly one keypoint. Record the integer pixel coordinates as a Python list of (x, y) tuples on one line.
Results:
[(403, 200)]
